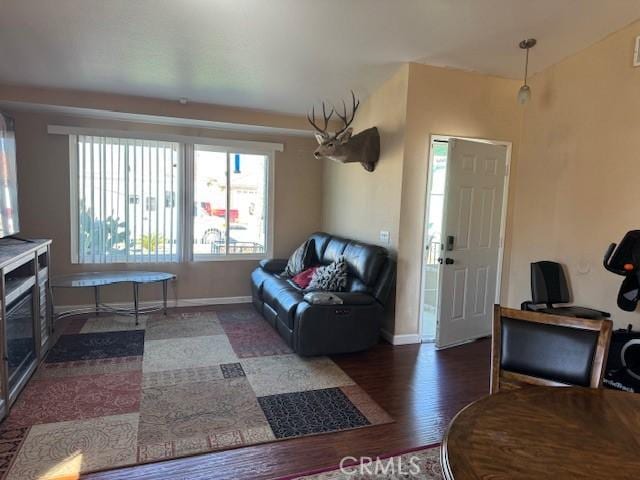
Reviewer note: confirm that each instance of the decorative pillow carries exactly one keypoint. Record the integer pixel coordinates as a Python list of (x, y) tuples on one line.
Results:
[(331, 278), (300, 259), (304, 278)]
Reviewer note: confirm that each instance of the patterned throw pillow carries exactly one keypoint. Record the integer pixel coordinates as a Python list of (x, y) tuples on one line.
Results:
[(331, 278), (299, 260)]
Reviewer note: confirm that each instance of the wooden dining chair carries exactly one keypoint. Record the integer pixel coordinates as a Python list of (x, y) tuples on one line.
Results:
[(531, 348)]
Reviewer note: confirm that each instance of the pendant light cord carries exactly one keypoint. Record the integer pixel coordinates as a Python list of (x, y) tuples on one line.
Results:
[(526, 66)]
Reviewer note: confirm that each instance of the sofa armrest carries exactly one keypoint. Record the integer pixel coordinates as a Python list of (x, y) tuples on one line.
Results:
[(274, 265), (355, 298)]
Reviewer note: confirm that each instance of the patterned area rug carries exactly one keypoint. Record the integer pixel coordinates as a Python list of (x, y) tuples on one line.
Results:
[(419, 464), (111, 394)]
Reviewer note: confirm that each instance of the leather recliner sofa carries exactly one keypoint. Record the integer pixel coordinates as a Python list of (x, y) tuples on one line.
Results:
[(327, 329)]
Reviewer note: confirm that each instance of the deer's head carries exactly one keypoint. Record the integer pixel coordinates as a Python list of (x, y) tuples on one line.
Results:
[(334, 145)]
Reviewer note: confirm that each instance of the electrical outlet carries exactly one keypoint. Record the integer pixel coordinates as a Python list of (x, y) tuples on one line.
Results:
[(385, 237)]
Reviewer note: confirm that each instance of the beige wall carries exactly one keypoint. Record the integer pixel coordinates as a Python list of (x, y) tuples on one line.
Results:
[(43, 169), (417, 102), (574, 165), (576, 182), (447, 102), (359, 204), (112, 102)]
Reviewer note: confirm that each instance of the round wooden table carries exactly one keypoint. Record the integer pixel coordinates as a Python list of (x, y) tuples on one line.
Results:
[(545, 432)]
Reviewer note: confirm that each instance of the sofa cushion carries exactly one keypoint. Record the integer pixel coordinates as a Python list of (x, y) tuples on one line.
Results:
[(334, 249), (286, 305), (365, 261), (272, 287)]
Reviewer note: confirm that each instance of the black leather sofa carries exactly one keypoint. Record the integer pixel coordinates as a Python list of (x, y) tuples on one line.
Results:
[(326, 329)]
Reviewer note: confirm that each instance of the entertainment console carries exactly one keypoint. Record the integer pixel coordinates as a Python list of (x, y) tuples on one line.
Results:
[(25, 316)]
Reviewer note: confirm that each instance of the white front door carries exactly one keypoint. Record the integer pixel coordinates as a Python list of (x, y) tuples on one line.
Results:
[(471, 240)]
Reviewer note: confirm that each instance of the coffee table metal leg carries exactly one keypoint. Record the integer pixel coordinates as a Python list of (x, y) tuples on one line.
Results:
[(164, 296), (135, 300), (96, 296)]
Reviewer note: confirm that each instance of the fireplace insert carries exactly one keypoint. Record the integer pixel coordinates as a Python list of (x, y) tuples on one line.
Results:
[(21, 345)]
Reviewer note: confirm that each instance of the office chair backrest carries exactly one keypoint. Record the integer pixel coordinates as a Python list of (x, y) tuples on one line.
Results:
[(548, 283), (540, 349)]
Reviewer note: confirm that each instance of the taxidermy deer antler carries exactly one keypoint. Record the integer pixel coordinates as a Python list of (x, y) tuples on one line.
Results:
[(341, 146)]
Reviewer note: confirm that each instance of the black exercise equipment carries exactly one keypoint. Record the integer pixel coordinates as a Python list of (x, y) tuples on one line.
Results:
[(624, 259), (623, 362), (548, 287)]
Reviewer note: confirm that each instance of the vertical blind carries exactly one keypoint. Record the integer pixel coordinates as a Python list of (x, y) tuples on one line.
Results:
[(127, 200)]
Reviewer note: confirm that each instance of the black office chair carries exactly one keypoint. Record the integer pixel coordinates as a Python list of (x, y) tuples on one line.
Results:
[(548, 287)]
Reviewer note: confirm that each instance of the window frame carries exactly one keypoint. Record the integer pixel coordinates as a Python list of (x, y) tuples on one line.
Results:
[(74, 203), (185, 192), (190, 200)]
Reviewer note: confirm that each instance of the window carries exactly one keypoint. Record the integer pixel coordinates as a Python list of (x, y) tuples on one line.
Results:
[(151, 204), (108, 228), (230, 203), (135, 200)]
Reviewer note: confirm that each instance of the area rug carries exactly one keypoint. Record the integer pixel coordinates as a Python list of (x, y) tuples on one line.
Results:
[(422, 463), (111, 394)]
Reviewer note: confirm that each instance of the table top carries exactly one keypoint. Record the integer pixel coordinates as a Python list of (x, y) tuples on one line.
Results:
[(545, 432), (99, 279)]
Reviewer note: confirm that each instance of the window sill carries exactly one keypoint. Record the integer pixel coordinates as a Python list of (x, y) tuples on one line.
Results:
[(131, 261), (229, 258)]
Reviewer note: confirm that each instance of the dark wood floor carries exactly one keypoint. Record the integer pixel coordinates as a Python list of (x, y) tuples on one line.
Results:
[(421, 388)]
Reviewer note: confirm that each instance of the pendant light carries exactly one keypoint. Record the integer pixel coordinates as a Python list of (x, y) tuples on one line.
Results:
[(524, 94)]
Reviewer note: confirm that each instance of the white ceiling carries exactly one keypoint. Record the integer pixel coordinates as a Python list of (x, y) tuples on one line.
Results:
[(282, 55)]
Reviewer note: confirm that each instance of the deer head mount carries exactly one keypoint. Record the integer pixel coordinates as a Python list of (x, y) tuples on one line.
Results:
[(342, 146)]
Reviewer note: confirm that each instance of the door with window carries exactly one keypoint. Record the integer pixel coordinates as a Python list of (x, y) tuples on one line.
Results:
[(471, 241)]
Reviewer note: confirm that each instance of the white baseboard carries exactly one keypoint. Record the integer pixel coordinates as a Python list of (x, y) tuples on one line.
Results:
[(406, 339), (183, 302), (196, 302)]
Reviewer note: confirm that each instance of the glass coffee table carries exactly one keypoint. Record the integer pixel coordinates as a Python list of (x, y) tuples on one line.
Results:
[(96, 280)]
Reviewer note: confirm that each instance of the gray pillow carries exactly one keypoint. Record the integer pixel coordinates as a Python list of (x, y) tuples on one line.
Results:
[(330, 278), (300, 259)]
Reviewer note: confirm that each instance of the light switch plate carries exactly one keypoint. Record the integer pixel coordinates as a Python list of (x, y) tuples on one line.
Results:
[(385, 237)]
